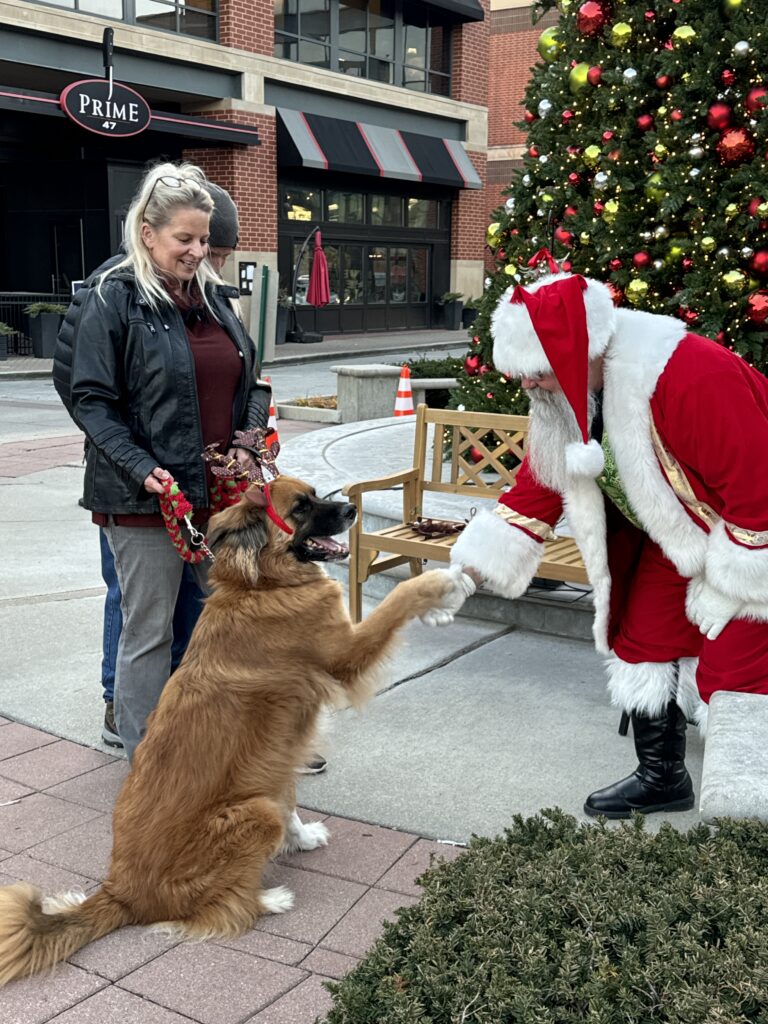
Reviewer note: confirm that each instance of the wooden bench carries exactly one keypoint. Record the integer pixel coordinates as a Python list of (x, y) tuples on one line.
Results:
[(451, 470)]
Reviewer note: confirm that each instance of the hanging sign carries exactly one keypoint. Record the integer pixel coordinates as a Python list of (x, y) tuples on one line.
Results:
[(106, 107)]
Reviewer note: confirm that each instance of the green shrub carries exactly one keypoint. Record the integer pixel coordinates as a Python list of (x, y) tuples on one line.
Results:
[(563, 923), (38, 308), (448, 367), (6, 330), (450, 297)]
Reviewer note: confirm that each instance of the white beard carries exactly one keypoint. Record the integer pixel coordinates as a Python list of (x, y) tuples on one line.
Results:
[(553, 427)]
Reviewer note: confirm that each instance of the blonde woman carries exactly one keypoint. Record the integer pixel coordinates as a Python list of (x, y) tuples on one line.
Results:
[(161, 367)]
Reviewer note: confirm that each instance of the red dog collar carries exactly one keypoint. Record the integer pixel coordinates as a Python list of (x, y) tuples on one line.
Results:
[(271, 512)]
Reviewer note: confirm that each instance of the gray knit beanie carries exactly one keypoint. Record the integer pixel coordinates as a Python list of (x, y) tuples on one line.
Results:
[(225, 227)]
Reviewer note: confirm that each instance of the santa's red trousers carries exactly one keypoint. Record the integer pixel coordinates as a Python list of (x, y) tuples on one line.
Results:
[(652, 626)]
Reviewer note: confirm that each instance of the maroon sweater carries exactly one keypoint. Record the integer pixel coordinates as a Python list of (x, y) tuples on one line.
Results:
[(217, 373)]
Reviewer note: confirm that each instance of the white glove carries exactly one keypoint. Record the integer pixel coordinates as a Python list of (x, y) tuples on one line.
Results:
[(710, 609), (462, 587)]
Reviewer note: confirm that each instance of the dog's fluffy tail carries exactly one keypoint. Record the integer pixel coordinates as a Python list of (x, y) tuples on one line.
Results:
[(33, 938)]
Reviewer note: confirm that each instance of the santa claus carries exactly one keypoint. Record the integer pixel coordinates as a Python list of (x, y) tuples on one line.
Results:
[(653, 442)]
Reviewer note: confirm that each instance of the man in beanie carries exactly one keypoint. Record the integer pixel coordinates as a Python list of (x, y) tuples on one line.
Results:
[(224, 228), (654, 442)]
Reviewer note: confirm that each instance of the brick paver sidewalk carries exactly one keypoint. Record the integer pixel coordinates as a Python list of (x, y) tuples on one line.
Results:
[(55, 831)]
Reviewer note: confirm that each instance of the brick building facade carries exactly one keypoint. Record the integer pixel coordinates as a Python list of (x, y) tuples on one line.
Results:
[(371, 117)]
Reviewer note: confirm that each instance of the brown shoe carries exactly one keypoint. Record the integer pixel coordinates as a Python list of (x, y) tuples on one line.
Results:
[(109, 731)]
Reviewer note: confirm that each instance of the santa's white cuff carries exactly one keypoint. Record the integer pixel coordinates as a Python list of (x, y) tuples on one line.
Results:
[(506, 557), (739, 571)]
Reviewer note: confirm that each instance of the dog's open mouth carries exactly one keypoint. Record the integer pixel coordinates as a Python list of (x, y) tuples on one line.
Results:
[(322, 549)]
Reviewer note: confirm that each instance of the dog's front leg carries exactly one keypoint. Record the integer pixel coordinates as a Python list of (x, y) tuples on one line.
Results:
[(299, 836)]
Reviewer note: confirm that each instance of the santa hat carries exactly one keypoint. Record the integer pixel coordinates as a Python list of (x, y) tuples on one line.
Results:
[(557, 325)]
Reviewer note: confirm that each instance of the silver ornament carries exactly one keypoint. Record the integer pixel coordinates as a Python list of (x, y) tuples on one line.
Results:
[(541, 213), (724, 253), (509, 206), (526, 179), (746, 252), (544, 108), (742, 48), (660, 231), (629, 75), (694, 172), (487, 282), (601, 179), (646, 236), (752, 123), (695, 152), (696, 137), (658, 264), (543, 158)]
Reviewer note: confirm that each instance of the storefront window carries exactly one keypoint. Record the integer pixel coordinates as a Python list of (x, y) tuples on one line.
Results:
[(417, 276), (376, 284), (398, 273), (386, 211), (422, 213), (302, 204), (353, 275), (344, 207), (187, 17), (333, 257), (390, 41)]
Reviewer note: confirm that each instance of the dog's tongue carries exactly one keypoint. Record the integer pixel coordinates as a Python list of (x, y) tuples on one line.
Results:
[(329, 544)]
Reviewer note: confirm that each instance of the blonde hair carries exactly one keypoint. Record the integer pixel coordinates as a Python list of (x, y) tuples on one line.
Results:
[(155, 203)]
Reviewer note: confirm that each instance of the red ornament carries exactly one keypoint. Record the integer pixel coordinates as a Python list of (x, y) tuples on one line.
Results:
[(573, 150), (489, 395), (529, 117), (532, 151), (616, 293), (757, 307), (476, 340), (753, 205), (570, 211), (690, 316), (759, 263), (564, 237), (614, 155), (641, 260), (676, 115), (615, 264), (645, 122), (567, 115), (485, 368), (590, 20), (598, 207), (720, 338), (663, 81), (687, 263), (735, 146), (719, 116), (472, 365), (475, 454), (595, 75), (650, 15), (607, 135), (501, 255), (755, 100), (574, 178), (566, 266), (728, 77)]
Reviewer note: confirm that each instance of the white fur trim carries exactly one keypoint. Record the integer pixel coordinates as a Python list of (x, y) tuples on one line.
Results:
[(506, 557), (516, 346), (584, 459), (687, 697), (645, 688), (739, 572), (584, 508), (636, 358), (277, 900)]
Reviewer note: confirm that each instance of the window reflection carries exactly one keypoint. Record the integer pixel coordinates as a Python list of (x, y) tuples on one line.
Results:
[(386, 211), (398, 272), (344, 207), (353, 274), (422, 213), (417, 275), (376, 283), (302, 204)]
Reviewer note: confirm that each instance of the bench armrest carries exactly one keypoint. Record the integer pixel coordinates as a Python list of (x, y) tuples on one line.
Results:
[(382, 483)]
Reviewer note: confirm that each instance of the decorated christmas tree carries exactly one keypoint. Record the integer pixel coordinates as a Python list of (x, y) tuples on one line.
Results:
[(646, 167)]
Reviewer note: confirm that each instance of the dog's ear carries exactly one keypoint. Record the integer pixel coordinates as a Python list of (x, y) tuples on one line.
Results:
[(236, 547), (257, 496)]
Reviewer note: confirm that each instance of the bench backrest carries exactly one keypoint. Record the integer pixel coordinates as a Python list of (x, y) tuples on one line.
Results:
[(450, 467)]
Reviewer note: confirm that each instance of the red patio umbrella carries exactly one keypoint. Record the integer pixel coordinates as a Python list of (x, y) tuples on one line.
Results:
[(319, 291)]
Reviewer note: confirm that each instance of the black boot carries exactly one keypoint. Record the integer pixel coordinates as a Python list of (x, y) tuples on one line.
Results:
[(660, 782)]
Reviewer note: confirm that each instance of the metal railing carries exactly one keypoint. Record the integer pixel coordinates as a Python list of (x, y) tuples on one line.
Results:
[(12, 306)]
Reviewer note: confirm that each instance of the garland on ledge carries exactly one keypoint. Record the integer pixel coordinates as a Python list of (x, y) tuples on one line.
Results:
[(231, 481)]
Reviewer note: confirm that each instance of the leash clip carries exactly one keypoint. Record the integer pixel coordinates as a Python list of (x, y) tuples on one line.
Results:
[(198, 539)]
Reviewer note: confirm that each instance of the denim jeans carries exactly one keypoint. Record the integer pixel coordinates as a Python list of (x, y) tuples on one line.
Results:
[(186, 612)]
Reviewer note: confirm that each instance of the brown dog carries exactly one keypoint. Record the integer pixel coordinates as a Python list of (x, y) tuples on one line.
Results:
[(210, 797)]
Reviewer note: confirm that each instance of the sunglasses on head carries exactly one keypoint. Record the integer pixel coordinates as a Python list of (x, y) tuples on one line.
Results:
[(170, 181)]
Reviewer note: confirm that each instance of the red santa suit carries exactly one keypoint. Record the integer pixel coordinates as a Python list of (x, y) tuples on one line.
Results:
[(687, 422)]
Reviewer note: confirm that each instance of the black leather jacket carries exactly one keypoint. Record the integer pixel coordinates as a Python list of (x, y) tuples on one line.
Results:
[(133, 393)]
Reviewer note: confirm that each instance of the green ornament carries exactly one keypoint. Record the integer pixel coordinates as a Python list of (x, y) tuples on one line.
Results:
[(684, 35), (510, 269), (734, 282), (621, 33), (731, 210), (585, 238), (732, 6), (660, 150), (549, 46), (708, 244), (577, 79), (675, 253), (661, 111), (636, 291), (654, 187), (610, 211), (492, 235), (591, 156)]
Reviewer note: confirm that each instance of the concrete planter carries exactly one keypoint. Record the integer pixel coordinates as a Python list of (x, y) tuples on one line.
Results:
[(306, 413), (43, 330), (3, 346), (367, 392), (449, 314)]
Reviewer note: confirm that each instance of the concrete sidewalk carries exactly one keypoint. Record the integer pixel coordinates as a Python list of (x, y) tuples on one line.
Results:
[(475, 723)]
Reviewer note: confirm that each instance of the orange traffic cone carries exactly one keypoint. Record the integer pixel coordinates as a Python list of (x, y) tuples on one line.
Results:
[(404, 399), (272, 424)]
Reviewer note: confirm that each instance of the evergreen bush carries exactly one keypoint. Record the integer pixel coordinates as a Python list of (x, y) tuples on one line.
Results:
[(557, 922)]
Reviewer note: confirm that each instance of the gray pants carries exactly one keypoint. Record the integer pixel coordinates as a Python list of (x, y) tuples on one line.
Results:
[(149, 572)]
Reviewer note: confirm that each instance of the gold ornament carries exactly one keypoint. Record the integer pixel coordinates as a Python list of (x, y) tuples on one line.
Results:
[(636, 291), (549, 46), (610, 211), (762, 210), (734, 282), (546, 198), (492, 235), (510, 269), (731, 210), (674, 253), (585, 238), (684, 34), (654, 187), (732, 6), (660, 150), (661, 111), (591, 156), (564, 6), (708, 244), (577, 79), (621, 33)]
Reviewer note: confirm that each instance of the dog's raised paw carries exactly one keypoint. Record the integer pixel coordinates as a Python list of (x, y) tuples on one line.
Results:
[(277, 900), (299, 836)]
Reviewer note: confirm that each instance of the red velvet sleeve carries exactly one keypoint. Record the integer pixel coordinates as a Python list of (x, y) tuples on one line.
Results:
[(534, 508)]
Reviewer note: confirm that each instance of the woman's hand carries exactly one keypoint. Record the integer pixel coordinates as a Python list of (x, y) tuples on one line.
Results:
[(154, 482), (244, 458)]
